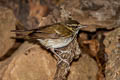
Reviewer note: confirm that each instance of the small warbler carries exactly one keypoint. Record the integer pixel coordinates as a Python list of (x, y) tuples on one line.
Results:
[(53, 36)]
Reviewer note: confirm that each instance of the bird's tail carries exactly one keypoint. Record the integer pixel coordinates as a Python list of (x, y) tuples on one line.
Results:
[(22, 31), (22, 34), (25, 34)]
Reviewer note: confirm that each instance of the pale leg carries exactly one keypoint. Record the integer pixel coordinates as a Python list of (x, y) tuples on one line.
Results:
[(61, 59)]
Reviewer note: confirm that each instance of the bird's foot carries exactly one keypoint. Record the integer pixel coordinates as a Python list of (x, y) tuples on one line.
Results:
[(61, 59), (62, 52)]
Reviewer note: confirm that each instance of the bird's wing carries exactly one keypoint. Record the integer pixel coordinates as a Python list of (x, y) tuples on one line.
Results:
[(53, 32), (35, 34), (56, 30), (42, 35)]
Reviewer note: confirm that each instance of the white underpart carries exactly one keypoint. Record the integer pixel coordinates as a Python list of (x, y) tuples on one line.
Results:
[(57, 43)]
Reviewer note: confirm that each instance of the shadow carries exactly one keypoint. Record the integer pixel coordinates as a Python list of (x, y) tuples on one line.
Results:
[(10, 52)]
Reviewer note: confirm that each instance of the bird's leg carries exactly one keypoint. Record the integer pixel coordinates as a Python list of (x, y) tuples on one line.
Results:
[(61, 59)]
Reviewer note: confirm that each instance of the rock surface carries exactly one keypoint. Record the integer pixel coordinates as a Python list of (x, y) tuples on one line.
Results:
[(112, 44), (84, 69), (94, 13), (7, 23), (30, 62)]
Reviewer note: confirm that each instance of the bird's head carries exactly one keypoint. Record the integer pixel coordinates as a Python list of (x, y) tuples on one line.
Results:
[(74, 25)]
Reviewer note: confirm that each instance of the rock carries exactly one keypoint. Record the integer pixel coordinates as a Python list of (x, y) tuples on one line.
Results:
[(36, 63), (112, 48), (94, 13), (7, 23), (30, 62), (84, 69)]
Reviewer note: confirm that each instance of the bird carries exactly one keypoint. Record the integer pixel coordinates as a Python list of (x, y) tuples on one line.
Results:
[(53, 36)]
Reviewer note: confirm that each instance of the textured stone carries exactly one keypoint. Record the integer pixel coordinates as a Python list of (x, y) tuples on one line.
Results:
[(84, 69), (112, 48), (7, 23), (30, 62), (94, 13), (37, 64)]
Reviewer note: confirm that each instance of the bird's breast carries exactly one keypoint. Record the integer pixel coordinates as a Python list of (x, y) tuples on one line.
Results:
[(55, 43)]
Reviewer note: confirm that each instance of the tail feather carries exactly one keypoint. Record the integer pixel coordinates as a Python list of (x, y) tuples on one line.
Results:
[(21, 34)]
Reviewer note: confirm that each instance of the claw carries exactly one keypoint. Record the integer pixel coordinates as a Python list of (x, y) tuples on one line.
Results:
[(64, 60), (62, 52), (61, 59)]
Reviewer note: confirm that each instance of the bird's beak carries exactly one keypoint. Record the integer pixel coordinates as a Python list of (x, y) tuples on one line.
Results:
[(82, 26)]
